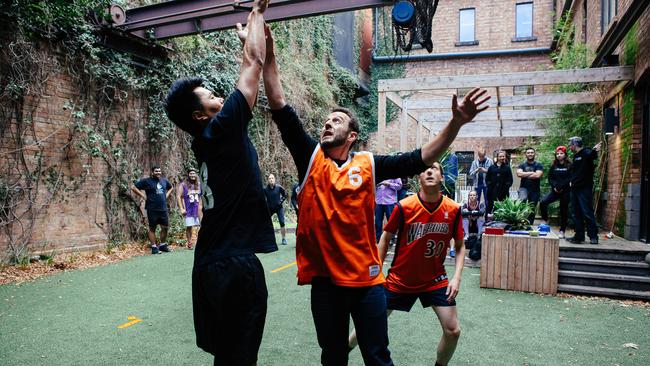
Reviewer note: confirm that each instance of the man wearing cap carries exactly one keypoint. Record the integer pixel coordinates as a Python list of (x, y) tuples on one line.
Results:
[(581, 175)]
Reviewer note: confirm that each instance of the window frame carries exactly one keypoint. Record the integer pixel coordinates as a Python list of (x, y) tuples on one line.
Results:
[(532, 37), (606, 17), (473, 41)]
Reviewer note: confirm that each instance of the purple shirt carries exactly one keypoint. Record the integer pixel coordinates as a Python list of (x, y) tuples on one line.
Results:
[(386, 191), (191, 197)]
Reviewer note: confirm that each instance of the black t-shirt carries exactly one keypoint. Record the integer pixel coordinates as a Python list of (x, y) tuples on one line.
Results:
[(156, 190), (275, 196), (301, 146), (582, 168), (531, 184), (558, 177), (239, 221)]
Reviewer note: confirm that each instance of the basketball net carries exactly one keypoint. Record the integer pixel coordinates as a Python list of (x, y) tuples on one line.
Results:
[(420, 31)]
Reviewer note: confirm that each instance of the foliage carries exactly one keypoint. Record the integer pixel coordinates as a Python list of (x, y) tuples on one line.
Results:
[(513, 212), (631, 45)]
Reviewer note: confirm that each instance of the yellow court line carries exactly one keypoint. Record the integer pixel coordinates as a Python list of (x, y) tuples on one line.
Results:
[(133, 320), (283, 267)]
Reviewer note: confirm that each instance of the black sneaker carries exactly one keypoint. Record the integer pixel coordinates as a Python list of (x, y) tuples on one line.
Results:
[(155, 250), (593, 241), (574, 240), (164, 248)]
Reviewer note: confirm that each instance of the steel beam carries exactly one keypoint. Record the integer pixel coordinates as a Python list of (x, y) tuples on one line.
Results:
[(181, 18)]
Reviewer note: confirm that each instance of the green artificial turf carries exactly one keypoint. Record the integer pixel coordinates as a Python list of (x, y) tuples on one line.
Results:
[(72, 319)]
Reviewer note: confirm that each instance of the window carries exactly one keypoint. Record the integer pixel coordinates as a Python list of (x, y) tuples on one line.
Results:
[(523, 90), (467, 29), (608, 10), (524, 20)]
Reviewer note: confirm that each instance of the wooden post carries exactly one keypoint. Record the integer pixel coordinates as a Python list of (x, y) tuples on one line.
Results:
[(381, 123), (403, 129)]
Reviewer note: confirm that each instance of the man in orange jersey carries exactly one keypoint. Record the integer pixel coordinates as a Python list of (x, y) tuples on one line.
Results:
[(425, 223), (336, 248)]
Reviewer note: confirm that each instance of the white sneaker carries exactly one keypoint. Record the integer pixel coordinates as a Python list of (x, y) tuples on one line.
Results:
[(561, 235)]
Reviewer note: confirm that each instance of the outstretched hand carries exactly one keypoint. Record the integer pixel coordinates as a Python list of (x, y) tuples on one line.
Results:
[(471, 105), (242, 33)]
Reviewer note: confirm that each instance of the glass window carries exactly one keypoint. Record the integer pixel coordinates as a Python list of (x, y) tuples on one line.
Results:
[(466, 31), (608, 11), (524, 19)]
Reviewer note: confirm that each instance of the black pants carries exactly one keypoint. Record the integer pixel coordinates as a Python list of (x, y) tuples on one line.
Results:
[(532, 198), (582, 202), (331, 307), (564, 206)]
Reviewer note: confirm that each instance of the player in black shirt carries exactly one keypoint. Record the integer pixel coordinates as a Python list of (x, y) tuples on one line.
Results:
[(275, 197), (156, 190), (228, 287), (558, 179), (332, 305)]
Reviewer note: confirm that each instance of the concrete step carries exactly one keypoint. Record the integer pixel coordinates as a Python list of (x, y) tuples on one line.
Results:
[(607, 280), (604, 266), (588, 251), (600, 291)]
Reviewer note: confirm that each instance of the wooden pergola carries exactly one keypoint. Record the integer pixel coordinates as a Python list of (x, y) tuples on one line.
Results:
[(427, 100)]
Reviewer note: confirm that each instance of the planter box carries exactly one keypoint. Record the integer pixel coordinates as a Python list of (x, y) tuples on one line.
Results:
[(520, 263)]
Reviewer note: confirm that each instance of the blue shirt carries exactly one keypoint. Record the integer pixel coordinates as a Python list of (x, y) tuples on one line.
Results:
[(156, 190)]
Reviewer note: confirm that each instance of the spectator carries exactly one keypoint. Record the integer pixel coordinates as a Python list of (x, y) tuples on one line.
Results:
[(581, 178), (155, 190), (294, 198), (558, 178), (530, 173), (478, 171), (275, 197), (189, 202), (498, 180), (451, 174), (385, 199), (473, 213)]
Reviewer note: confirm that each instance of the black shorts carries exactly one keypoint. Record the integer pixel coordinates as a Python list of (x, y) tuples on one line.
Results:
[(280, 213), (156, 218), (404, 302), (229, 301)]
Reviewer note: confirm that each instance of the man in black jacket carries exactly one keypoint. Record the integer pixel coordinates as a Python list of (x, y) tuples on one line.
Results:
[(582, 195), (275, 197)]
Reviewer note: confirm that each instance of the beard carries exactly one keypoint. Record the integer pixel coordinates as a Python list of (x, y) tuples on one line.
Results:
[(337, 141)]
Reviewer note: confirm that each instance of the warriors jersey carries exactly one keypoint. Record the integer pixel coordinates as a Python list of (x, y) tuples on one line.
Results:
[(423, 239), (336, 231)]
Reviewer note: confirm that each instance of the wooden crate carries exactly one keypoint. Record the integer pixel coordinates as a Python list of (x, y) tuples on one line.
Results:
[(520, 263)]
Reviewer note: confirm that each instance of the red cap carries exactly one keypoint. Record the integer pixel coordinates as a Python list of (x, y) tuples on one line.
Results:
[(560, 148)]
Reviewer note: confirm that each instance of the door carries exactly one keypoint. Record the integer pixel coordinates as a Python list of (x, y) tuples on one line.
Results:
[(645, 164)]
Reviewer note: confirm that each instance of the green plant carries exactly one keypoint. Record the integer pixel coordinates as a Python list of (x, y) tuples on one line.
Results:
[(513, 212)]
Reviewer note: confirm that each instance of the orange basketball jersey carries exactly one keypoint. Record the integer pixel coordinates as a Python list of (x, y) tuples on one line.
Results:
[(418, 263), (336, 230)]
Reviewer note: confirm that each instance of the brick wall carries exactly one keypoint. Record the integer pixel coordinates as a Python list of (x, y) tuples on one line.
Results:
[(70, 215)]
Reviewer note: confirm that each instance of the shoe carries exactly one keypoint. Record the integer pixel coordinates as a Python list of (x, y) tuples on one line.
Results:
[(574, 240), (164, 248), (155, 250), (452, 253), (593, 241), (284, 241), (560, 235)]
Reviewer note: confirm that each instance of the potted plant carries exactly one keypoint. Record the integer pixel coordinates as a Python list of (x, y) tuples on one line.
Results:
[(514, 213)]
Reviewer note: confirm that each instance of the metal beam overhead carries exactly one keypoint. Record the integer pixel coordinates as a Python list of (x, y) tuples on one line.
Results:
[(181, 18)]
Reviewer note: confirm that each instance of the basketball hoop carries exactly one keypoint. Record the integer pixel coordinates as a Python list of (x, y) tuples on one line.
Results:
[(412, 20)]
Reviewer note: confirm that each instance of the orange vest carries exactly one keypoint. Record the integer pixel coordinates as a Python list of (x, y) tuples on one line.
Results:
[(336, 230), (418, 263)]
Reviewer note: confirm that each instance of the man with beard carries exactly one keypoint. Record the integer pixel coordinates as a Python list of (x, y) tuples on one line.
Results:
[(530, 173), (229, 292), (581, 175), (189, 202), (155, 190), (425, 223), (336, 249)]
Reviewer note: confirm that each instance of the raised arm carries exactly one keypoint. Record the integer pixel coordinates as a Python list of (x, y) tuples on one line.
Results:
[(272, 84), (254, 53), (472, 104)]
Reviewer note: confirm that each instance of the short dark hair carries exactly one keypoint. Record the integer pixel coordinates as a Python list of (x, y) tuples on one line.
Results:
[(181, 102), (530, 148), (154, 167), (189, 170), (441, 167), (354, 122)]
